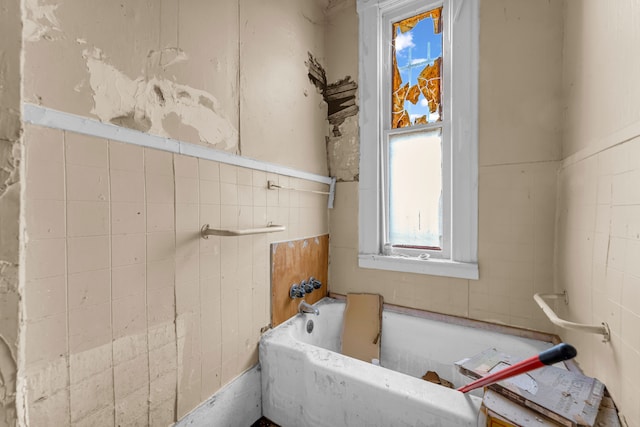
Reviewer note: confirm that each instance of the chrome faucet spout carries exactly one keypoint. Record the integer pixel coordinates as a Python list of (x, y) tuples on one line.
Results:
[(305, 307)]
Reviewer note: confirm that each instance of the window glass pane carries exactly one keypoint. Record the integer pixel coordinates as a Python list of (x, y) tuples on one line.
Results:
[(417, 69), (415, 189)]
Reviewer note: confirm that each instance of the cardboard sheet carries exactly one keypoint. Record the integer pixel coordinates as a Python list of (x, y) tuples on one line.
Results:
[(362, 326)]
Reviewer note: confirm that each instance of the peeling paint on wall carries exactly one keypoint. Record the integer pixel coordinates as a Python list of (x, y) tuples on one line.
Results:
[(39, 21), (143, 103)]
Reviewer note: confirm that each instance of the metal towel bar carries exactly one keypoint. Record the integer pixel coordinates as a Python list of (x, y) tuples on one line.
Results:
[(205, 231), (602, 329)]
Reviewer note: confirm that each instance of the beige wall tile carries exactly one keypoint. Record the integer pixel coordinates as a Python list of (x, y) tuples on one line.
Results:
[(228, 173), (209, 192), (89, 288), (128, 217), (87, 218), (100, 388), (129, 315), (160, 274), (132, 410), (86, 364), (52, 411), (130, 376), (46, 339), (124, 156), (45, 258), (89, 327), (187, 190), (87, 183), (159, 188), (45, 218), (85, 150), (128, 249), (46, 297), (129, 347), (161, 306), (187, 218), (208, 170), (127, 186), (185, 166), (158, 162), (128, 280), (160, 217)]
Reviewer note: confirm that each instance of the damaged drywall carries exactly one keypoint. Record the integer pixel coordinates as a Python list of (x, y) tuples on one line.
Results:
[(343, 143), (144, 103)]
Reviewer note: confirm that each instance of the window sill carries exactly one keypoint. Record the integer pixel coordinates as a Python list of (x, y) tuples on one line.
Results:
[(431, 266)]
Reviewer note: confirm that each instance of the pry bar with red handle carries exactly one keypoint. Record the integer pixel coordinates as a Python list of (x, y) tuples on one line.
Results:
[(555, 354)]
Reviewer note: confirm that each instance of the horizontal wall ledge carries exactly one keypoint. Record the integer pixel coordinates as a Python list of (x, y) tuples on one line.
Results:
[(47, 117), (431, 266)]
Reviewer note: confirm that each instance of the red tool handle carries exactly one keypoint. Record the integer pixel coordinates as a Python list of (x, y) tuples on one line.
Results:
[(555, 354)]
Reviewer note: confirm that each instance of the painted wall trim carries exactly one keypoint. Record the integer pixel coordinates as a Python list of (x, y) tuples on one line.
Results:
[(239, 403), (47, 117)]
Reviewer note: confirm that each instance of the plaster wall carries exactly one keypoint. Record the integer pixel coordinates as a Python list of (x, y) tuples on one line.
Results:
[(10, 154), (519, 152), (129, 317), (598, 226)]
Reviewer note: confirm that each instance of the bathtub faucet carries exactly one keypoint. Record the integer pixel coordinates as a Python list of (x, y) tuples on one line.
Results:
[(305, 307)]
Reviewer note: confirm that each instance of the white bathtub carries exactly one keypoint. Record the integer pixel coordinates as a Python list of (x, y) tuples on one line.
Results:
[(307, 382)]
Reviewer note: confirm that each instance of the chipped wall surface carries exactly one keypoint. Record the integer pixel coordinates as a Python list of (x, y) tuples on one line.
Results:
[(10, 153), (519, 148), (169, 68), (598, 227), (131, 317), (341, 39)]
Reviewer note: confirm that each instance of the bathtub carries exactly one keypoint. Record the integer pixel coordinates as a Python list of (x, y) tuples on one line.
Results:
[(307, 382)]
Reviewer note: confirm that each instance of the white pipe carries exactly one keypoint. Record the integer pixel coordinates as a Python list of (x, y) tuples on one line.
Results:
[(553, 317)]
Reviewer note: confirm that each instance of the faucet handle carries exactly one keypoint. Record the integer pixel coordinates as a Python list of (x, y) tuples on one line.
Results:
[(315, 282), (296, 291), (307, 286)]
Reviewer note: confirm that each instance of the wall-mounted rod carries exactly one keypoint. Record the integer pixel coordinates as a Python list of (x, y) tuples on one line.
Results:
[(205, 231), (273, 186), (602, 329), (331, 193)]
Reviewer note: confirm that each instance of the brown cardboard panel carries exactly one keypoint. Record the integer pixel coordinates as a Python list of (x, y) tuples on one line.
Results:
[(292, 262), (362, 326)]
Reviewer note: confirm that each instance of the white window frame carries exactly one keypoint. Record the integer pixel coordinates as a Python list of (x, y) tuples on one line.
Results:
[(460, 126)]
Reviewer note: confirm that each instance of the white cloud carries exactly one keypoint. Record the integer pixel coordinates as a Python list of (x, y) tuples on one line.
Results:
[(404, 41), (418, 61), (424, 102)]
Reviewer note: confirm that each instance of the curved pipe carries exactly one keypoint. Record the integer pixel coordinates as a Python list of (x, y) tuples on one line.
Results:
[(553, 317)]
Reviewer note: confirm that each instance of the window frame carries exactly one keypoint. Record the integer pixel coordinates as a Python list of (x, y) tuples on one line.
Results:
[(460, 164)]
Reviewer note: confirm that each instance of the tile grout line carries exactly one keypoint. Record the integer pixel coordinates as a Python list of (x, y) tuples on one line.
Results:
[(66, 264), (110, 203)]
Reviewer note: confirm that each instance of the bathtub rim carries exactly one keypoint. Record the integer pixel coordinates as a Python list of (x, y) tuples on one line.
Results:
[(520, 332)]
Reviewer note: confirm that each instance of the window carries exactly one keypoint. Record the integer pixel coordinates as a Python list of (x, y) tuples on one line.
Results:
[(418, 136)]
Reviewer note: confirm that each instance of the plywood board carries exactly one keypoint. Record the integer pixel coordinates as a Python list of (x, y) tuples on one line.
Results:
[(292, 262), (362, 326)]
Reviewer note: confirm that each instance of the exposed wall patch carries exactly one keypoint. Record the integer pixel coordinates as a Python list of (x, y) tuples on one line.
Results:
[(143, 103), (339, 96), (39, 20)]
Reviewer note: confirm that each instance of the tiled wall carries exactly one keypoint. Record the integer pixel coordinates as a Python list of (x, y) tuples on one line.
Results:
[(131, 317), (598, 229), (598, 266)]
